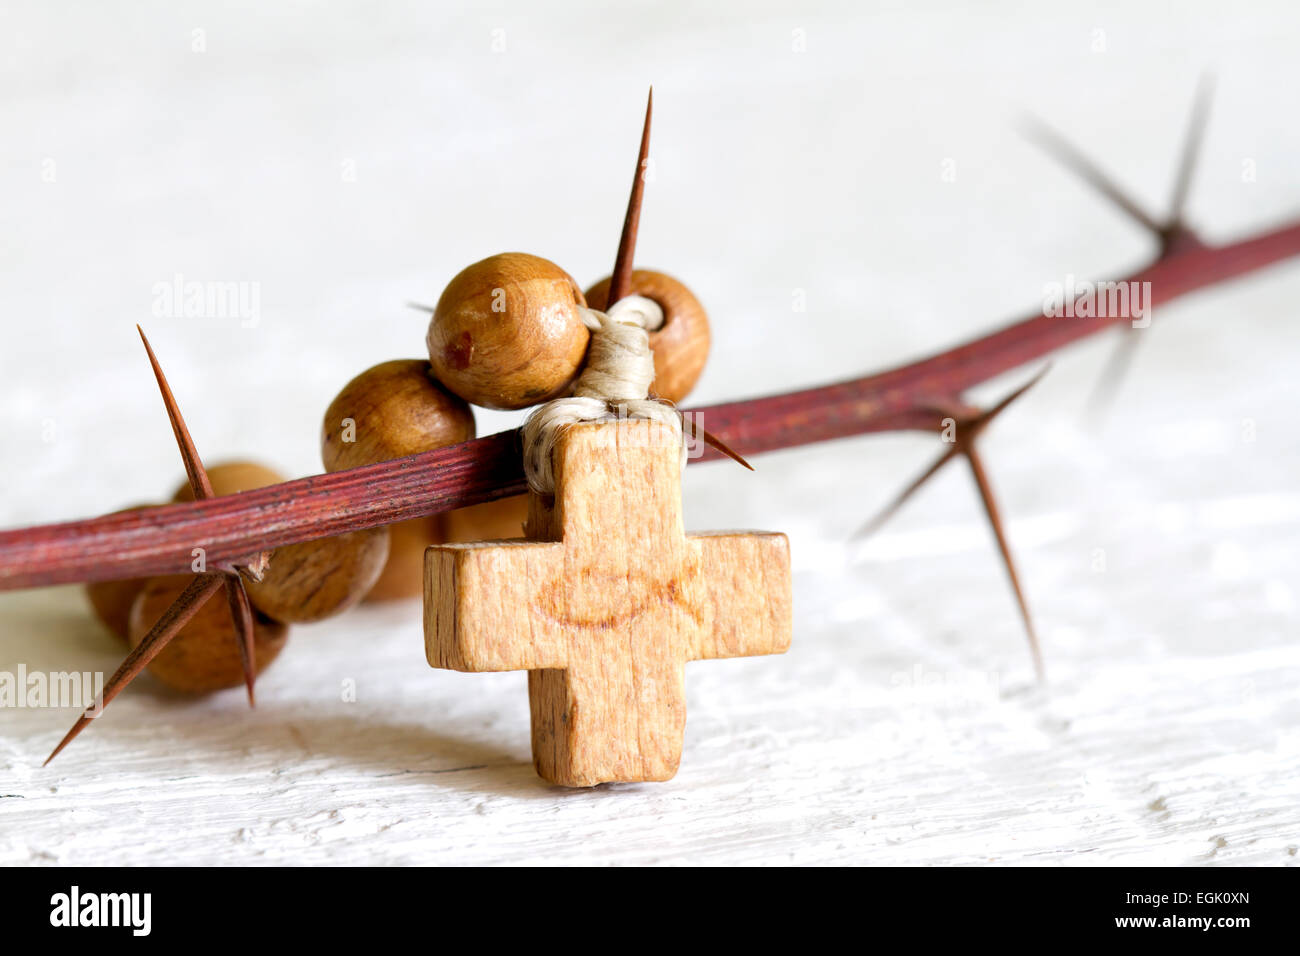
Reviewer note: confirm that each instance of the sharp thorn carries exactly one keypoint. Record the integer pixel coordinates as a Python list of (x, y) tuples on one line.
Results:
[(194, 469), (891, 509), (698, 431), (176, 616), (968, 429), (969, 423), (995, 519), (241, 614), (1001, 406), (620, 279)]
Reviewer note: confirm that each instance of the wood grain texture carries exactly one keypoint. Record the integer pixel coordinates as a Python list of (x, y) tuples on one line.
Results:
[(318, 579), (605, 603), (112, 600), (391, 410), (506, 332)]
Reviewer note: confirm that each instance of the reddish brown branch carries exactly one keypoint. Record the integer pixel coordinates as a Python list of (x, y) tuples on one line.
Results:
[(160, 540)]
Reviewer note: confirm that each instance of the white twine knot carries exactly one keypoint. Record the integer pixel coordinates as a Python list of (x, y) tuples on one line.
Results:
[(614, 385)]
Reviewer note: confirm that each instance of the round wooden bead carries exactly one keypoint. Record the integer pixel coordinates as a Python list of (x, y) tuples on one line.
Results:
[(489, 521), (232, 477), (403, 574), (317, 579), (204, 655), (507, 333), (111, 600), (681, 344), (390, 411)]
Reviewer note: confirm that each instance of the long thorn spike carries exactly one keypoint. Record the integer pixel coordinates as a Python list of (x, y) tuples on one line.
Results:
[(621, 279), (1191, 149), (176, 616), (700, 432), (1112, 377), (194, 469), (968, 431), (1001, 405), (995, 520), (1065, 153), (891, 509), (241, 614)]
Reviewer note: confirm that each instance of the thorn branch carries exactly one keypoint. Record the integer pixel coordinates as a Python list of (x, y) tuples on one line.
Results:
[(968, 429)]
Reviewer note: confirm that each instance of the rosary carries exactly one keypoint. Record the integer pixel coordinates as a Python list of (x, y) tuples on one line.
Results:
[(604, 597), (559, 549)]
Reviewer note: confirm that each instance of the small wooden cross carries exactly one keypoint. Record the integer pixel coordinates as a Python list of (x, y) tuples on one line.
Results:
[(604, 602)]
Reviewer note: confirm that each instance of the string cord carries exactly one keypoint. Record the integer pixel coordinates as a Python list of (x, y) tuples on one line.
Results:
[(614, 385)]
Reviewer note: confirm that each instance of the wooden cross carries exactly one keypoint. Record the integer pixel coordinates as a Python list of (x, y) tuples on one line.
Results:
[(604, 602)]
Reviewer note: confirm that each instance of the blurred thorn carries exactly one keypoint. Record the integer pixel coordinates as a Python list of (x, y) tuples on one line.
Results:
[(1065, 153), (1191, 150), (1113, 373)]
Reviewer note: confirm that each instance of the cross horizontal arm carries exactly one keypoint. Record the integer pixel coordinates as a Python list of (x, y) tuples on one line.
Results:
[(485, 602), (745, 595)]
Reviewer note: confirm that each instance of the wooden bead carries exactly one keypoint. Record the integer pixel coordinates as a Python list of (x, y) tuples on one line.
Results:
[(390, 411), (204, 655), (317, 579), (490, 521), (232, 477), (681, 344), (507, 333), (111, 600), (403, 574)]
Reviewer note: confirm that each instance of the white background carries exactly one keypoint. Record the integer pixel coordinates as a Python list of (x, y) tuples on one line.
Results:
[(904, 725)]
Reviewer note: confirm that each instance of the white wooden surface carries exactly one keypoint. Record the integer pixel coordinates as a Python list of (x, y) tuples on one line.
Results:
[(903, 726)]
